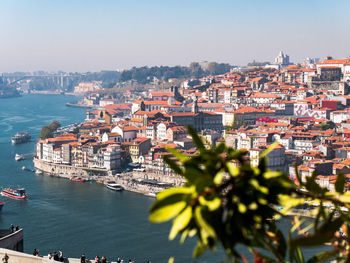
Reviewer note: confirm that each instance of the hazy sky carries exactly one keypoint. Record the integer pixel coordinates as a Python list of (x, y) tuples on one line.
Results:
[(84, 35)]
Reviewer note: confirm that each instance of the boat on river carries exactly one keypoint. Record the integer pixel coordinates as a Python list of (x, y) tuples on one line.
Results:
[(14, 193), (19, 157), (114, 186), (21, 137), (38, 172), (150, 194), (1, 205), (78, 179)]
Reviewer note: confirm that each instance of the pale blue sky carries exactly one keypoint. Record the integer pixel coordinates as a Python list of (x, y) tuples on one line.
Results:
[(84, 35)]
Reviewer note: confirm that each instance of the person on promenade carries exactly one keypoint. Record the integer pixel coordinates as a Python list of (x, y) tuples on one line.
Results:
[(55, 256), (49, 255), (61, 258), (5, 259), (83, 258), (36, 252), (119, 260), (97, 259), (17, 228), (12, 228), (103, 259)]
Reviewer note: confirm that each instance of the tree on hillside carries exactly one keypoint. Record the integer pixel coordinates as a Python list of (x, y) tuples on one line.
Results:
[(226, 202), (48, 131), (54, 125)]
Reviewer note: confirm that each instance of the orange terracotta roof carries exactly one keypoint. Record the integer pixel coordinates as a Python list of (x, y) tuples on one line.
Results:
[(335, 61)]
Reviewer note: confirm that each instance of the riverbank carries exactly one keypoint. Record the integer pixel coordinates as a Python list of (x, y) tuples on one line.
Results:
[(138, 182), (80, 105), (127, 180)]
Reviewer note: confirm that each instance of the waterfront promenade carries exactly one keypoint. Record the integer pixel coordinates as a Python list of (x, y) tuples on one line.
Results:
[(139, 182), (19, 257)]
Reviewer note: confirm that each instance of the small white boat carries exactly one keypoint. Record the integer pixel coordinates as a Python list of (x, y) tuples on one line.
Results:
[(38, 172), (19, 157), (151, 195), (114, 186)]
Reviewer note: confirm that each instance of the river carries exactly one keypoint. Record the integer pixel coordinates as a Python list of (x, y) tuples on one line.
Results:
[(70, 216)]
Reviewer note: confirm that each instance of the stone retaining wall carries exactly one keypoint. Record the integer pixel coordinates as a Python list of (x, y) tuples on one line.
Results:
[(176, 180), (59, 169), (12, 241)]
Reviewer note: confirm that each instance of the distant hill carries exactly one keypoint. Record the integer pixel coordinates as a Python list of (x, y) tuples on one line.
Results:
[(146, 74)]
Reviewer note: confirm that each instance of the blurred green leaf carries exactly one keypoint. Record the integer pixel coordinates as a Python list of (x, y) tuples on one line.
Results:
[(340, 183), (199, 249), (185, 190), (172, 165), (167, 208), (322, 257), (211, 204), (206, 228), (177, 154), (197, 141), (269, 149), (180, 222)]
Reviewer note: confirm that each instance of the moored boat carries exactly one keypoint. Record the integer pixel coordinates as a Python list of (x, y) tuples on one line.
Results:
[(78, 179), (151, 195), (19, 157), (14, 193), (114, 186), (38, 172)]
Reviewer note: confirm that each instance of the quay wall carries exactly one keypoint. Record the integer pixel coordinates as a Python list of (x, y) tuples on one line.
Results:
[(56, 169), (176, 180), (68, 171), (10, 240), (125, 179)]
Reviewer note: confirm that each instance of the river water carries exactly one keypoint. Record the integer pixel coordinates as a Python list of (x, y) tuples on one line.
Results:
[(70, 216)]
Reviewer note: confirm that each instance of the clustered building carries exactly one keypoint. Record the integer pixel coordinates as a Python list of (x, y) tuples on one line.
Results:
[(306, 108)]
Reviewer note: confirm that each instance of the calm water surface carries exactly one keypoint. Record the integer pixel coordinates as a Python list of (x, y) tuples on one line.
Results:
[(70, 216)]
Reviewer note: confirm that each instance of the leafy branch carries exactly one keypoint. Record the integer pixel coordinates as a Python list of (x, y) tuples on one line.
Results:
[(226, 202)]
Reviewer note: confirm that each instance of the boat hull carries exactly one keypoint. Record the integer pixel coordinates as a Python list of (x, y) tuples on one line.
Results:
[(14, 196), (79, 180), (115, 188)]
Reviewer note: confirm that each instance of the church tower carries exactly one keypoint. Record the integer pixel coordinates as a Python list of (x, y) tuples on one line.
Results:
[(195, 106), (142, 106)]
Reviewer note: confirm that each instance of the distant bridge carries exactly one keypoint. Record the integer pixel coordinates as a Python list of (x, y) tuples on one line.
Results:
[(60, 79)]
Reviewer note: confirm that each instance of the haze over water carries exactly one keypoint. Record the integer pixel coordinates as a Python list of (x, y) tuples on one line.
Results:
[(70, 216)]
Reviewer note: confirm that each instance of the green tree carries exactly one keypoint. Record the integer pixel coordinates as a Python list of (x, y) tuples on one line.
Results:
[(54, 125), (327, 125), (227, 202), (45, 133), (48, 131)]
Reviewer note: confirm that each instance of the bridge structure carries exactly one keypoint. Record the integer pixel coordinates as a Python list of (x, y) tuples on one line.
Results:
[(61, 80)]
